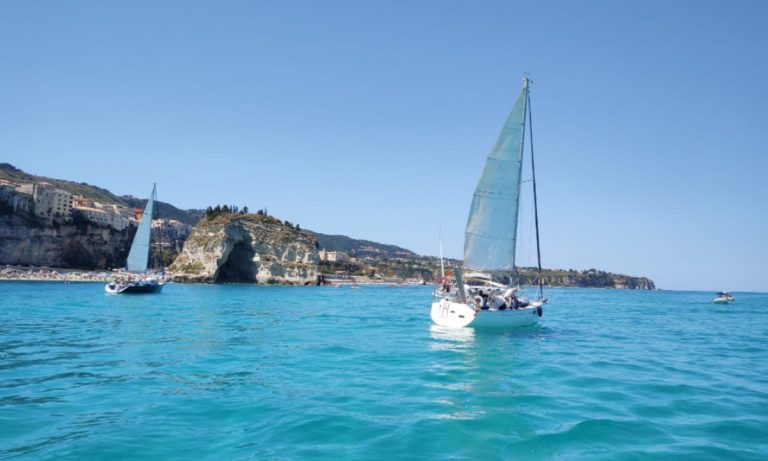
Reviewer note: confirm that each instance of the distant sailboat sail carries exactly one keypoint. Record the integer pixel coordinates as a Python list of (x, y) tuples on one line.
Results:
[(491, 234), (138, 257)]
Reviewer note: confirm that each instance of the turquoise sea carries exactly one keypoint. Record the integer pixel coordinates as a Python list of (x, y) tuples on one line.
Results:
[(309, 373)]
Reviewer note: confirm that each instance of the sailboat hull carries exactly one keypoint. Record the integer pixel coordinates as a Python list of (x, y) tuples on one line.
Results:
[(134, 288), (457, 315)]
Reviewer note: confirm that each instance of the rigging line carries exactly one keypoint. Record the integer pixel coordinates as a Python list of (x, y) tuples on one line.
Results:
[(159, 230), (525, 231), (529, 246), (535, 201)]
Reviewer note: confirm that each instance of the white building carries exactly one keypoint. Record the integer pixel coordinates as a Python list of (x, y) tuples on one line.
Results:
[(47, 201), (104, 217), (171, 229), (118, 221), (95, 215), (13, 199), (332, 256)]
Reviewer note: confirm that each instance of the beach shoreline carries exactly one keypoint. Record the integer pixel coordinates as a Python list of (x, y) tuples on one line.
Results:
[(10, 273)]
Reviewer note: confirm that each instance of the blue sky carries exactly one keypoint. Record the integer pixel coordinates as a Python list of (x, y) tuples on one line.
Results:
[(372, 119)]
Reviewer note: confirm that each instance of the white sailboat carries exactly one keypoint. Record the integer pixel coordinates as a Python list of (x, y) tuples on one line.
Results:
[(484, 293), (136, 281)]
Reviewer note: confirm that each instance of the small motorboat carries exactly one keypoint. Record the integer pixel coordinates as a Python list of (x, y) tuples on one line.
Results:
[(723, 297)]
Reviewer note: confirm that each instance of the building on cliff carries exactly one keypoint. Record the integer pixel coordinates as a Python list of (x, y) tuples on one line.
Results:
[(48, 202), (171, 229), (13, 201), (332, 256), (104, 217)]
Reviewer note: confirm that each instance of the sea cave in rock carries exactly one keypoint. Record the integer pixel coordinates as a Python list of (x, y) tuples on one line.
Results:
[(239, 267)]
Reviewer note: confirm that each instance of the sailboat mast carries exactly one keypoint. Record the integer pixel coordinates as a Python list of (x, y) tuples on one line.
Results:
[(535, 200), (526, 82), (440, 238)]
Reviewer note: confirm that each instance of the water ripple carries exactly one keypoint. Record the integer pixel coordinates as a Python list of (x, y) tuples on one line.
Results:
[(243, 372)]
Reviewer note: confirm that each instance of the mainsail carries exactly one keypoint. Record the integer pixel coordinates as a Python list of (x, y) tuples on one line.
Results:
[(138, 257), (490, 238)]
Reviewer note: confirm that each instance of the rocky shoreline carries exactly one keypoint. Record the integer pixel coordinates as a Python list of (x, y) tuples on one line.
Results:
[(45, 274)]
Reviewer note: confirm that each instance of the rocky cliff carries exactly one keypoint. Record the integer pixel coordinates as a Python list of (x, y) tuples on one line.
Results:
[(247, 248), (25, 240)]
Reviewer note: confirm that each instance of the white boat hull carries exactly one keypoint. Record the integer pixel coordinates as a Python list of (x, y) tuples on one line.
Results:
[(721, 300), (457, 315)]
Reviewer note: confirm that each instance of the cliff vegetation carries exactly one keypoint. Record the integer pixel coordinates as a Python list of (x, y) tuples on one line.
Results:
[(235, 247)]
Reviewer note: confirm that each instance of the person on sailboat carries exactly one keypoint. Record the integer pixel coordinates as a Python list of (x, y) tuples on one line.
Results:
[(478, 303), (496, 302), (483, 299), (512, 301)]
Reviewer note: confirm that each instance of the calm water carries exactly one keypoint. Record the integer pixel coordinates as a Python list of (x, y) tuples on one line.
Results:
[(245, 372)]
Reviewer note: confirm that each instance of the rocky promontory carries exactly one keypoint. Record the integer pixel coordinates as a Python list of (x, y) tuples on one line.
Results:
[(247, 248), (591, 278)]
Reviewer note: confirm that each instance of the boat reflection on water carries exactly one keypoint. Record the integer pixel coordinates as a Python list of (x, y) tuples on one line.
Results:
[(453, 376), (449, 338)]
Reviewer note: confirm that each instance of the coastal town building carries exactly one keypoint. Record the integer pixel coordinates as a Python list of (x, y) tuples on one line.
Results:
[(13, 200), (118, 221), (125, 212), (48, 202), (171, 229), (332, 256), (110, 214), (327, 255), (105, 217), (94, 215), (78, 201)]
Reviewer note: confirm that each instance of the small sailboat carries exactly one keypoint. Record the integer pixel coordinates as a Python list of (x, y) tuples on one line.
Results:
[(136, 281), (484, 293), (723, 297)]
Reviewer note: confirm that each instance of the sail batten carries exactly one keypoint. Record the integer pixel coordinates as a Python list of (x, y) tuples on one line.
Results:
[(138, 257), (491, 233)]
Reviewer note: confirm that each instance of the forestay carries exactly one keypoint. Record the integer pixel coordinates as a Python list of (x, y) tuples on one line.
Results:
[(489, 241)]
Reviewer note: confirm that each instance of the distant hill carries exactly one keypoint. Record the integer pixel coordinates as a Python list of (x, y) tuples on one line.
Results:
[(391, 260), (361, 248), (11, 173), (164, 210)]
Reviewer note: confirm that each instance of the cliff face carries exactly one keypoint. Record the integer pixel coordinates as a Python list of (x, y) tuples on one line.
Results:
[(235, 248), (25, 240)]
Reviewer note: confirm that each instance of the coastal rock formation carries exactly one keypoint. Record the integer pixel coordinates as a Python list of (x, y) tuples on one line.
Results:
[(26, 240), (591, 278), (247, 248)]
